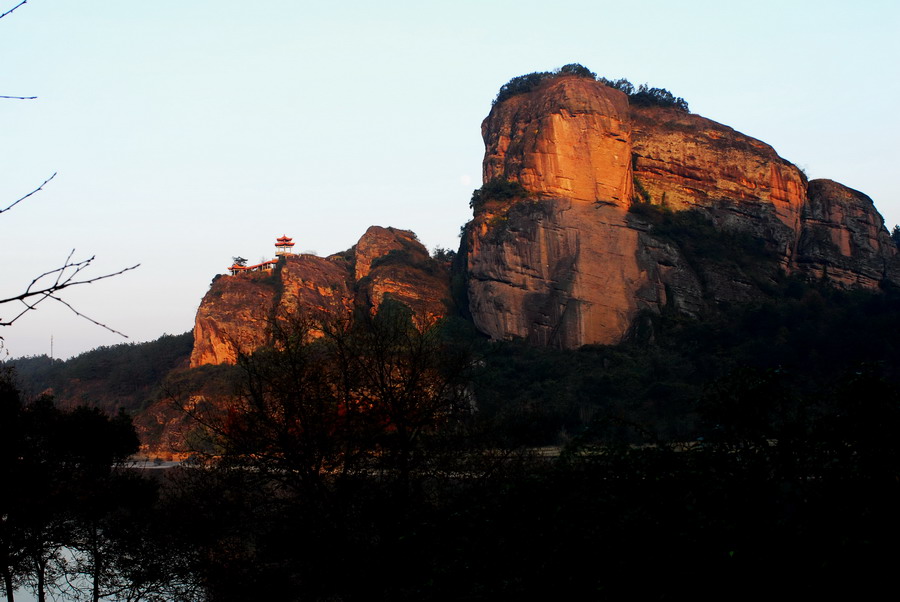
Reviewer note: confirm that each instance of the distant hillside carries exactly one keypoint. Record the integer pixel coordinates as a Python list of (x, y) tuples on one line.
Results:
[(119, 376)]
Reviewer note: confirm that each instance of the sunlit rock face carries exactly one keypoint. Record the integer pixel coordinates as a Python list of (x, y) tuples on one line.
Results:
[(232, 316), (558, 267), (378, 242), (237, 313), (696, 162), (566, 263), (844, 239), (569, 139), (684, 161)]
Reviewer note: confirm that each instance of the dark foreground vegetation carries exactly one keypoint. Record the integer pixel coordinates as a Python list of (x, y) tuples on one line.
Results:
[(112, 377), (751, 452)]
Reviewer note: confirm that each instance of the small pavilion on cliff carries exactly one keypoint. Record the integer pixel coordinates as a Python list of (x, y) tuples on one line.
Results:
[(283, 247)]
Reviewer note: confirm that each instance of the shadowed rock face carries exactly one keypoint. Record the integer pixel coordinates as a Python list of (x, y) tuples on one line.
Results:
[(568, 264), (393, 263), (236, 313)]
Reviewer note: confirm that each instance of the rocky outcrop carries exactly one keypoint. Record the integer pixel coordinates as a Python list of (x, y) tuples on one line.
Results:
[(608, 188), (844, 240), (378, 242), (684, 161), (392, 263), (233, 316), (238, 311)]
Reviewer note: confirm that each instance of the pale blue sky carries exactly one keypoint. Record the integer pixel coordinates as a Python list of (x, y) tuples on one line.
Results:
[(186, 132)]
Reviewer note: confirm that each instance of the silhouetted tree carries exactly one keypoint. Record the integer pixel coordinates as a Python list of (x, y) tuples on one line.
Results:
[(61, 481), (330, 398)]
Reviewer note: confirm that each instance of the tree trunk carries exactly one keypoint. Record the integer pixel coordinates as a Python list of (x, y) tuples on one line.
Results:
[(7, 581), (95, 552), (40, 569)]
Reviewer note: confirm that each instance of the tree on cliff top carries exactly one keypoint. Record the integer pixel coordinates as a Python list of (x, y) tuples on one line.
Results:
[(644, 95), (523, 84)]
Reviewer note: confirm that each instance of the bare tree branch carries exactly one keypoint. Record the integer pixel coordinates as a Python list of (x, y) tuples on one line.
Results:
[(38, 189), (48, 284), (1, 16), (14, 8), (88, 318)]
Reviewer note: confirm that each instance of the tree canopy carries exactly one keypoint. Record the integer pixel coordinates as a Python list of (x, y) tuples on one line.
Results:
[(644, 95)]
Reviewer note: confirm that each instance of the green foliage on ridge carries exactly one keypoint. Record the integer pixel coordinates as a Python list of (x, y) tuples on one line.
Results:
[(497, 189), (108, 377), (749, 367), (643, 95)]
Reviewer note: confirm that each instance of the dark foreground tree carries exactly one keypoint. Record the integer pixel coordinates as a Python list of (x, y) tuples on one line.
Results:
[(65, 489), (331, 398), (343, 441)]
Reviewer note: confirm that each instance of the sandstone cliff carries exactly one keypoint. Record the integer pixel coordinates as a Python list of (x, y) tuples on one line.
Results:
[(608, 191), (560, 265), (386, 262)]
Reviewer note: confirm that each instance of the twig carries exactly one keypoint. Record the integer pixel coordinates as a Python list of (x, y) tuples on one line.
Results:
[(89, 319), (1, 16), (14, 8), (38, 189), (61, 284), (64, 278)]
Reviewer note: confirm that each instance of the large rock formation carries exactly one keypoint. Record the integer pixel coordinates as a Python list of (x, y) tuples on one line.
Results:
[(593, 210), (592, 239), (560, 265), (237, 312)]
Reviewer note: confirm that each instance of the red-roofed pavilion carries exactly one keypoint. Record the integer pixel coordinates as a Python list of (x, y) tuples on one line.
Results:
[(283, 246)]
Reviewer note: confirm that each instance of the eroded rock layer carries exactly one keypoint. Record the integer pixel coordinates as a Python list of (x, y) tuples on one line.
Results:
[(844, 239)]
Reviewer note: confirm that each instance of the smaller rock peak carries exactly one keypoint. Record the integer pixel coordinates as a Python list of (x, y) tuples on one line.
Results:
[(379, 241)]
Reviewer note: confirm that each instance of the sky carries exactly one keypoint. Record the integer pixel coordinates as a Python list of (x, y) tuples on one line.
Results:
[(187, 132)]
